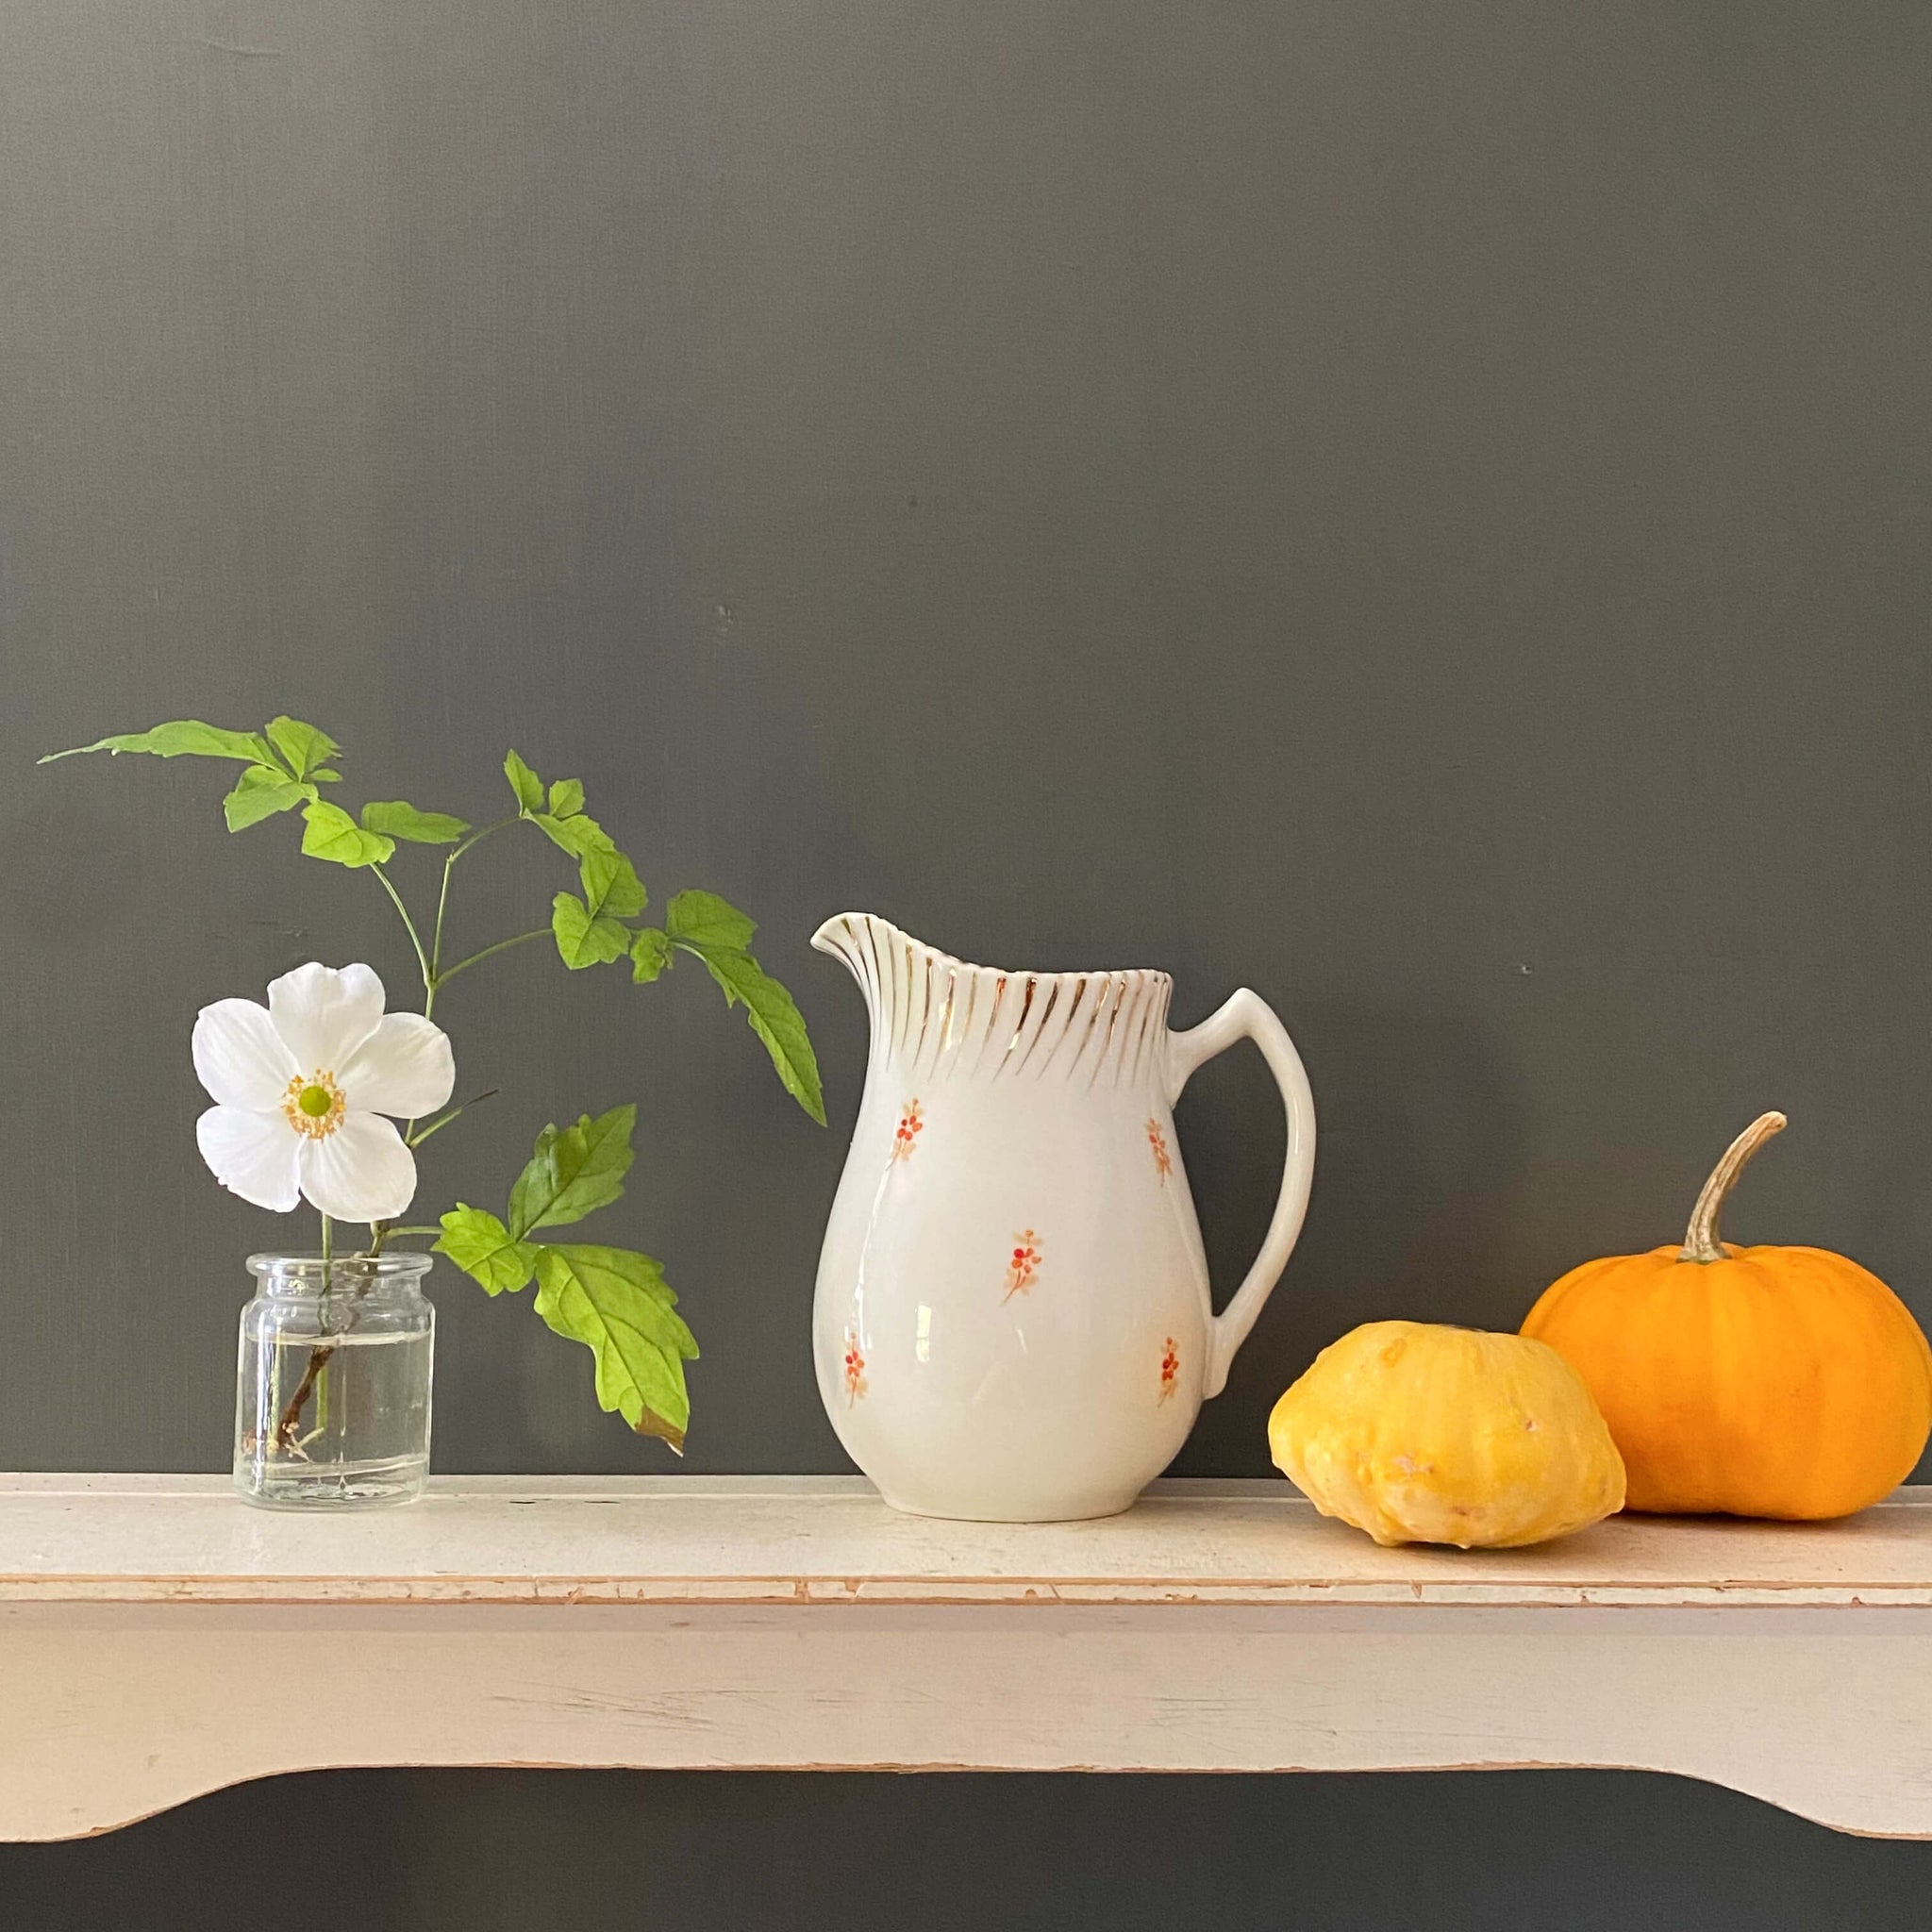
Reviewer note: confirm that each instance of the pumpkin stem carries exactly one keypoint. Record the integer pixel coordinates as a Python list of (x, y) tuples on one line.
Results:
[(1700, 1241)]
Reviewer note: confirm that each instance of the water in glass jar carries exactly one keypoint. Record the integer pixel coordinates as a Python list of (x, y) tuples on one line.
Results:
[(332, 1418)]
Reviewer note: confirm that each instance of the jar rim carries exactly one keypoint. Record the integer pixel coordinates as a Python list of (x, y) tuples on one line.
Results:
[(404, 1264)]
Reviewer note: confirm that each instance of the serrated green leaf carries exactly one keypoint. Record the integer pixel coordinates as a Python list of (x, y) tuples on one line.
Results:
[(394, 819), (574, 1171), (524, 782), (705, 920), (537, 1186), (260, 792), (600, 1297), (578, 836), (482, 1247), (650, 953), (583, 941), (184, 737), (330, 833), (611, 884), (663, 1323), (303, 747), (774, 1018), (566, 798)]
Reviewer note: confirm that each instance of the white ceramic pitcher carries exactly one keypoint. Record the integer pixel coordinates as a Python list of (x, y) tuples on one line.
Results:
[(1012, 1319)]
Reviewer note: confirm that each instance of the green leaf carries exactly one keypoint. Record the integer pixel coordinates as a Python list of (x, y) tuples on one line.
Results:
[(322, 774), (611, 884), (260, 792), (566, 798), (481, 1246), (613, 1301), (574, 1171), (579, 836), (658, 1319), (774, 1018), (395, 820), (650, 953), (524, 782), (302, 745), (705, 920), (184, 738), (333, 835), (582, 940)]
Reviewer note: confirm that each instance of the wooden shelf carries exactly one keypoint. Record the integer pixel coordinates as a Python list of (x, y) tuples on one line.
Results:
[(159, 1640)]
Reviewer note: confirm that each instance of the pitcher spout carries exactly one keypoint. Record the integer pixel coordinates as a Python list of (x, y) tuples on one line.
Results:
[(842, 937), (862, 939), (865, 944)]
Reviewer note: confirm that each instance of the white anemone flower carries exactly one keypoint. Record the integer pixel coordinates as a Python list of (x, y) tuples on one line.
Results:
[(301, 1086)]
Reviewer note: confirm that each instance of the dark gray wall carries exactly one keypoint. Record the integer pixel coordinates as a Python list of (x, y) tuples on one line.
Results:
[(1420, 509)]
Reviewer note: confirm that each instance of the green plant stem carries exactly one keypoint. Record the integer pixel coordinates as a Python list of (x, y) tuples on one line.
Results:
[(501, 946), (436, 938), (436, 973), (442, 1121), (415, 938), (430, 964), (483, 832), (328, 1271), (315, 1376), (380, 1233)]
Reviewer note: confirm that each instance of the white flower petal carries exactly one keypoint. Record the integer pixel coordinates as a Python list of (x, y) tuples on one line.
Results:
[(405, 1068), (252, 1154), (361, 1172), (324, 1015), (239, 1057)]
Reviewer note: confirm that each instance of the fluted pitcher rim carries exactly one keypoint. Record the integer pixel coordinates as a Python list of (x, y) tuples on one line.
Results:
[(822, 940), (936, 1016)]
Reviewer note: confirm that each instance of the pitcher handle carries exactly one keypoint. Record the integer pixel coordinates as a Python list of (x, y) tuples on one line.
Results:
[(1247, 1015)]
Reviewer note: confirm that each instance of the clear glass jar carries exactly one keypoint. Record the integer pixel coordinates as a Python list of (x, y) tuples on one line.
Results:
[(332, 1386)]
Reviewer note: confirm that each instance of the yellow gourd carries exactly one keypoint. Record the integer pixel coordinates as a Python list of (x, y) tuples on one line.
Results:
[(1418, 1433), (1767, 1381)]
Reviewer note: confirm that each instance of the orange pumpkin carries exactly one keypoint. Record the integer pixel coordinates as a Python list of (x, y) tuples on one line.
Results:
[(1764, 1381)]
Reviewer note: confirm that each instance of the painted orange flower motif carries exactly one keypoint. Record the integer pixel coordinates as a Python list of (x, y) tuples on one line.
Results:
[(1169, 1368), (1026, 1261), (1163, 1161), (906, 1139), (854, 1369)]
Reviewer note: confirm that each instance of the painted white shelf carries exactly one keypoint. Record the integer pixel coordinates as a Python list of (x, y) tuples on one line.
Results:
[(160, 1639)]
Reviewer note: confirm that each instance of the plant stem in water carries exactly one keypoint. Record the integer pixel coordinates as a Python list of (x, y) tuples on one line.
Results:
[(286, 1438), (315, 1376)]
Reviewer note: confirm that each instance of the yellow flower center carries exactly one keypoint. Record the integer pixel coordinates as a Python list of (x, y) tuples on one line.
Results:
[(313, 1107)]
